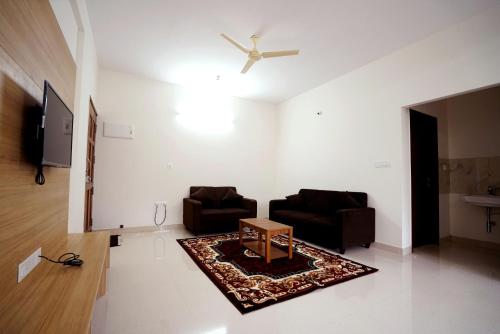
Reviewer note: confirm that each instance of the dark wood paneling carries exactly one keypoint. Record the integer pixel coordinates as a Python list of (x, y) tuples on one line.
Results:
[(32, 49)]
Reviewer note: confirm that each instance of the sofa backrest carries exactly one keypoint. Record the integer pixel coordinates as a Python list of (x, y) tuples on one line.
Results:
[(329, 201), (216, 193)]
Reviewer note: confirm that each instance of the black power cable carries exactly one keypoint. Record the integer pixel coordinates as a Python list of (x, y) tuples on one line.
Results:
[(73, 260), (39, 178)]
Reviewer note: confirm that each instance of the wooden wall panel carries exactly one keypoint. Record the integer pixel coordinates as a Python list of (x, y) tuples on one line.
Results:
[(32, 49), (31, 36)]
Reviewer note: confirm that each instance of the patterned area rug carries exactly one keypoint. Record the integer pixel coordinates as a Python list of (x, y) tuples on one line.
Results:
[(249, 283)]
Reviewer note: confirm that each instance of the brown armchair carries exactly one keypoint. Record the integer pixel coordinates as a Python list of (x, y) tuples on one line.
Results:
[(216, 209)]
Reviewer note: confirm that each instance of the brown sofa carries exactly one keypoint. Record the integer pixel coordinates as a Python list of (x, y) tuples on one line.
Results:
[(216, 209), (332, 219)]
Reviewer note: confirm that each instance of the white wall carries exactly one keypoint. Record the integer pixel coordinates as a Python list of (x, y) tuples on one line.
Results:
[(67, 22), (474, 124), (364, 119), (131, 174), (71, 14)]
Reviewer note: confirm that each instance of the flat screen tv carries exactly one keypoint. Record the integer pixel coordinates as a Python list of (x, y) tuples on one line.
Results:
[(56, 130)]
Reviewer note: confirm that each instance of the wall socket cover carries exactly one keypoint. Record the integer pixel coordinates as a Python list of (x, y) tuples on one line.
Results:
[(28, 264)]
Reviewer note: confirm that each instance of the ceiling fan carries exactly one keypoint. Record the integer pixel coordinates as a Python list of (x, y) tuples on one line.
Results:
[(255, 55)]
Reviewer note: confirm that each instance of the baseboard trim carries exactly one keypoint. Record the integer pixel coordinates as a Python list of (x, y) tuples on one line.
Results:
[(142, 229), (392, 249), (472, 243), (485, 245)]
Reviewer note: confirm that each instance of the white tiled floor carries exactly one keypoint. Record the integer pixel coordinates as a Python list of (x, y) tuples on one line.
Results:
[(155, 287)]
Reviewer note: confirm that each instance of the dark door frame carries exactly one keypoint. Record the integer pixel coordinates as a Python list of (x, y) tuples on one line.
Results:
[(89, 170), (424, 179)]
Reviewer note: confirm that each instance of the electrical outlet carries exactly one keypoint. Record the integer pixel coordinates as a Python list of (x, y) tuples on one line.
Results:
[(28, 265)]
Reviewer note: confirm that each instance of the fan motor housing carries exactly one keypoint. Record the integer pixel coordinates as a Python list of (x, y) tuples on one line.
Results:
[(254, 55)]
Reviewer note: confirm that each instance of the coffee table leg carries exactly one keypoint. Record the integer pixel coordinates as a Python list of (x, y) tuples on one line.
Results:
[(241, 233), (268, 247), (290, 243)]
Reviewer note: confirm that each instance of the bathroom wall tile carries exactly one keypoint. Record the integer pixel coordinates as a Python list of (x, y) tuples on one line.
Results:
[(468, 176), (462, 176), (494, 168), (444, 176), (482, 176)]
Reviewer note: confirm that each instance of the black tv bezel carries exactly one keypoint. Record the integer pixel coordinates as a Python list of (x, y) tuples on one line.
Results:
[(43, 162)]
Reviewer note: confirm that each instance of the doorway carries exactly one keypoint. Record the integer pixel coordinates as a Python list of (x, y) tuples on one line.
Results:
[(89, 170), (460, 188), (424, 179)]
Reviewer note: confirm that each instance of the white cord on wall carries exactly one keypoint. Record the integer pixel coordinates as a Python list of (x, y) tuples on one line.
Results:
[(164, 215)]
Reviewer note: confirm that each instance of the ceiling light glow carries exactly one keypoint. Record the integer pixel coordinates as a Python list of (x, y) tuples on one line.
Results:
[(205, 111)]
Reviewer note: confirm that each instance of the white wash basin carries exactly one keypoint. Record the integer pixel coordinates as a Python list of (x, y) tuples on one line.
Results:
[(488, 201)]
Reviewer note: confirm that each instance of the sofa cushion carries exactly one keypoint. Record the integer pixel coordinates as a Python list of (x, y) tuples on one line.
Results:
[(204, 197), (329, 201), (215, 195), (345, 200), (319, 201), (348, 201), (308, 225), (295, 202), (231, 199), (293, 217), (223, 215), (302, 215), (322, 221), (323, 230)]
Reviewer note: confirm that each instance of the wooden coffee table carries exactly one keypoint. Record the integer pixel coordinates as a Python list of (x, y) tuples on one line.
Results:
[(269, 229)]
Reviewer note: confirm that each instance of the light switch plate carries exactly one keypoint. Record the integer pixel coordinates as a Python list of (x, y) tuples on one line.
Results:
[(382, 164), (28, 265)]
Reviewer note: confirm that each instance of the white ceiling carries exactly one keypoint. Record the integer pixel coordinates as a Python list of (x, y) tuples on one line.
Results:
[(178, 40)]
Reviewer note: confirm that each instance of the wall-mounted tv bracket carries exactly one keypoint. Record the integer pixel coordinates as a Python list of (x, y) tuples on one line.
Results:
[(40, 178)]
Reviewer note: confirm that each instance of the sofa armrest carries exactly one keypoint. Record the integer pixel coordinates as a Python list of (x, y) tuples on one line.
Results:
[(250, 204), (277, 204), (191, 214), (357, 226)]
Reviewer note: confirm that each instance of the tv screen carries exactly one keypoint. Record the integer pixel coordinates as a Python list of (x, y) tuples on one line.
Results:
[(57, 130)]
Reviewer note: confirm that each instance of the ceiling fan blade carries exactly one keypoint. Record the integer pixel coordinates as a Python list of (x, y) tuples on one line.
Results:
[(280, 53), (238, 45), (249, 64)]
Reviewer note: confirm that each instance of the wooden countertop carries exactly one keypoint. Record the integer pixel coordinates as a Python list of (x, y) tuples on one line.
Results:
[(59, 299)]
